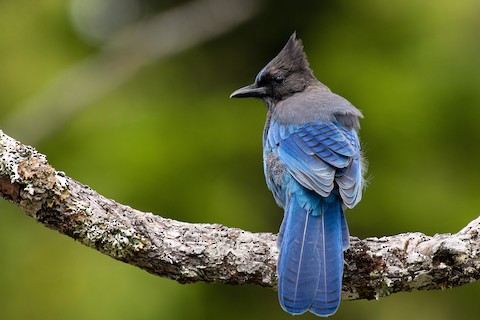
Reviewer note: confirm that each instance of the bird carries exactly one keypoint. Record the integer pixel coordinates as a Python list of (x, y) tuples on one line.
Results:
[(315, 168)]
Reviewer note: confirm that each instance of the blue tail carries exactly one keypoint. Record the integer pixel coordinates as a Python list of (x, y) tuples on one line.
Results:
[(313, 236)]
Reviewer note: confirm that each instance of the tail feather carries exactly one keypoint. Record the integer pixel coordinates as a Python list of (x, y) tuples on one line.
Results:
[(310, 264), (345, 233), (329, 290)]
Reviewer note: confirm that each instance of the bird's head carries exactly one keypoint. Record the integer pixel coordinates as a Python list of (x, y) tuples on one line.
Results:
[(285, 75)]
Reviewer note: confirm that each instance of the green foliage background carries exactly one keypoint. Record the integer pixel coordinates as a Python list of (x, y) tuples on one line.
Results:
[(170, 141)]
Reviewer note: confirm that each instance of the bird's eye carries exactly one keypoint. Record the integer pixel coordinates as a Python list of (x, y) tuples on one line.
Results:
[(279, 79)]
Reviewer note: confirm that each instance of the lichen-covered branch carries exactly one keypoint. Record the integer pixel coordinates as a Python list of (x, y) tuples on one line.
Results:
[(188, 252)]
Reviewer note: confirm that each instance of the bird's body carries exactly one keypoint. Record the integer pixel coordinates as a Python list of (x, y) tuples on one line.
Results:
[(313, 166)]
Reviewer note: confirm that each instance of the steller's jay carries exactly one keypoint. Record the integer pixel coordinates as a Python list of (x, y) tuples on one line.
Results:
[(314, 168)]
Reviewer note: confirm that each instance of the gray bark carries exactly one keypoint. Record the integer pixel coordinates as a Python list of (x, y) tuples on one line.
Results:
[(188, 252)]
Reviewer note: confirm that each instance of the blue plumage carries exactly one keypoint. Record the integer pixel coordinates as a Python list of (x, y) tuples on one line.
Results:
[(311, 261), (313, 167), (314, 232)]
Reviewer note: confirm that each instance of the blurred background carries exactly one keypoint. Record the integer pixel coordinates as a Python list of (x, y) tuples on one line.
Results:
[(131, 98)]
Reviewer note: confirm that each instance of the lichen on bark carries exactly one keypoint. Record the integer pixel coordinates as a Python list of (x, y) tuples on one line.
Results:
[(189, 252)]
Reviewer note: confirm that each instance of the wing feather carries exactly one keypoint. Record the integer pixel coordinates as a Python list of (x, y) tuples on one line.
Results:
[(320, 155)]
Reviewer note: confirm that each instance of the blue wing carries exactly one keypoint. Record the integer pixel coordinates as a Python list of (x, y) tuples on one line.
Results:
[(319, 155)]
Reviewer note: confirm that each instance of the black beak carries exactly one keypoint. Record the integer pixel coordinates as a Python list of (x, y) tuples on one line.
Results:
[(253, 91)]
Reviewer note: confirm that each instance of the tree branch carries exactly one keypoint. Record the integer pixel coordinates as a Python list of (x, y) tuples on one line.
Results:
[(187, 252)]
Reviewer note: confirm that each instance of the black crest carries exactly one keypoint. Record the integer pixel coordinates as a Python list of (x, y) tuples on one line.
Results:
[(283, 76), (292, 57)]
